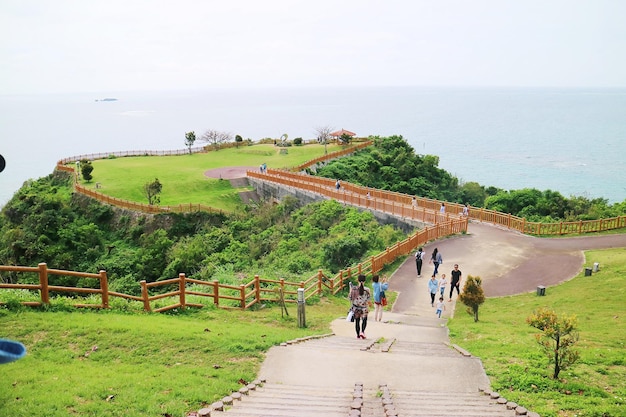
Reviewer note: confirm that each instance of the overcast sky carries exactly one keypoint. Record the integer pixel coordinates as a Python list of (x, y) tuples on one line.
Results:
[(118, 45)]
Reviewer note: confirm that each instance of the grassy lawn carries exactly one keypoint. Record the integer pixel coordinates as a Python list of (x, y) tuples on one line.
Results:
[(144, 364), (518, 369), (183, 176)]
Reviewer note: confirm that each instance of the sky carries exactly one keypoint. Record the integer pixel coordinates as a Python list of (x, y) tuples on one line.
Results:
[(68, 46)]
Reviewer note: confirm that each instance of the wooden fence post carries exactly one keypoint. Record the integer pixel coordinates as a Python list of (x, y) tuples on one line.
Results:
[(181, 289), (257, 289), (43, 283), (216, 293), (320, 277), (242, 294), (104, 287), (144, 295)]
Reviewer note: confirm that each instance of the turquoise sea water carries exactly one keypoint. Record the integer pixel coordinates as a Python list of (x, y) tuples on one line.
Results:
[(568, 140)]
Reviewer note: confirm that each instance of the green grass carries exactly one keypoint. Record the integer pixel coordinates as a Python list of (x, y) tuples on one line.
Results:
[(183, 176), (517, 368), (145, 364)]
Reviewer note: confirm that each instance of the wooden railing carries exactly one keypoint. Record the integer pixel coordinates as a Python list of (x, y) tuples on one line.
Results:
[(241, 296), (181, 208), (397, 204), (427, 210), (333, 155), (45, 288)]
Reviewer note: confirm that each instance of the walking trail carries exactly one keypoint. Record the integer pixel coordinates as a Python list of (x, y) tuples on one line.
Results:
[(406, 366)]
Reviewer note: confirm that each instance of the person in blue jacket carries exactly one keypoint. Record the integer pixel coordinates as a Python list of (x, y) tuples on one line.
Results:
[(380, 286), (433, 285)]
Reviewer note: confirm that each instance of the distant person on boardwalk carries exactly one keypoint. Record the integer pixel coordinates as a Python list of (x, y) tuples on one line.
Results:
[(455, 282), (379, 290), (436, 259), (442, 209), (465, 212), (360, 298), (414, 202), (338, 184), (442, 284), (440, 307), (419, 261), (432, 289)]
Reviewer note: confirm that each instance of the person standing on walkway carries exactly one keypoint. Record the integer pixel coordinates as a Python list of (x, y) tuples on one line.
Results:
[(440, 307), (360, 298), (419, 261), (432, 288), (338, 184), (442, 284), (436, 259), (442, 209), (455, 281), (379, 292)]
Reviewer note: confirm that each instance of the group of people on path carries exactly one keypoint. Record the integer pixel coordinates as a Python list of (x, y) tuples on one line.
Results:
[(439, 285), (361, 299)]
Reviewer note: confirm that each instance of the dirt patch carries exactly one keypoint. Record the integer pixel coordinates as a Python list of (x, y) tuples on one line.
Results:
[(229, 173)]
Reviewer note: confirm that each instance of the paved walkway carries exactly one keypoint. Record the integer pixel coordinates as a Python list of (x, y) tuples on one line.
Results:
[(507, 262)]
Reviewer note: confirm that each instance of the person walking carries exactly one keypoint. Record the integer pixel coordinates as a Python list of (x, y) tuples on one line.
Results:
[(338, 184), (360, 297), (442, 284), (455, 281), (379, 293), (436, 259), (442, 209), (440, 307), (432, 288), (419, 261)]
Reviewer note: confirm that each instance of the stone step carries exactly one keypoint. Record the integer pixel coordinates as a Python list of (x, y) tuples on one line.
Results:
[(422, 404), (278, 400), (387, 346), (423, 349)]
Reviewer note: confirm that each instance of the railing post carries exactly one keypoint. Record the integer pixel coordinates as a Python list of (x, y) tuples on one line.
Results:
[(216, 293), (104, 287), (257, 289), (43, 283), (144, 295), (320, 277), (181, 289), (242, 294)]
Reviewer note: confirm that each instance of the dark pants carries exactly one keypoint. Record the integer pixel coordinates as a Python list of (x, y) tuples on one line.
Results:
[(432, 297), (454, 285), (358, 327), (436, 267), (419, 263)]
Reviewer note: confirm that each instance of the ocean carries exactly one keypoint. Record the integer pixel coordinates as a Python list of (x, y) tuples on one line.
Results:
[(568, 140)]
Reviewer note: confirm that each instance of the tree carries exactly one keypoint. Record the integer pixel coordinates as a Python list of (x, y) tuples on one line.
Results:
[(152, 191), (238, 139), (323, 134), (345, 138), (190, 138), (86, 169), (472, 295), (557, 339), (216, 138)]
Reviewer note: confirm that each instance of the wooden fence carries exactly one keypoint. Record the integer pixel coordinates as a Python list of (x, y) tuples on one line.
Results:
[(181, 208), (241, 296), (427, 210)]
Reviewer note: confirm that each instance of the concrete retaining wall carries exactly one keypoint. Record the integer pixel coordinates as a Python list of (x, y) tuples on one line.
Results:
[(271, 191)]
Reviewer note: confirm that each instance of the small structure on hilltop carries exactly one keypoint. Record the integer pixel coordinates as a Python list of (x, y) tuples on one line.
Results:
[(343, 135)]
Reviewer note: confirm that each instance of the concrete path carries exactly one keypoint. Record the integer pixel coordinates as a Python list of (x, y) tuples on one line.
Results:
[(420, 357)]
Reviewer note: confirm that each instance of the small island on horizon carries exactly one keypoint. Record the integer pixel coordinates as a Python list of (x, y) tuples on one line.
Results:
[(107, 99)]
